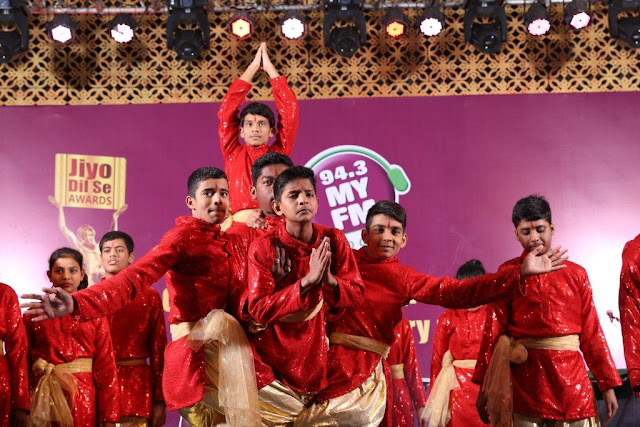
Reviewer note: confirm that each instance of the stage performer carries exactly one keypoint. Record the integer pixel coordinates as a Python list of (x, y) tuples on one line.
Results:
[(208, 368), (138, 333), (360, 338), (452, 395), (323, 281), (255, 125), (14, 374), (74, 379), (629, 301), (408, 393), (542, 334)]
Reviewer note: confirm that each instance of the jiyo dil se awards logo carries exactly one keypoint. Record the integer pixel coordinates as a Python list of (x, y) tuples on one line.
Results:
[(351, 179)]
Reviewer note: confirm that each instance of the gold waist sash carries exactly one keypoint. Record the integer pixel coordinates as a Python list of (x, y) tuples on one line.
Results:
[(131, 362), (437, 412), (360, 343), (300, 316), (397, 371), (497, 380), (240, 216), (48, 402)]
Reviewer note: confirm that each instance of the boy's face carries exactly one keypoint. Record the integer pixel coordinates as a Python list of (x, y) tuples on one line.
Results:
[(255, 130), (298, 202), (263, 190), (384, 237), (66, 273), (532, 234), (211, 200), (115, 256)]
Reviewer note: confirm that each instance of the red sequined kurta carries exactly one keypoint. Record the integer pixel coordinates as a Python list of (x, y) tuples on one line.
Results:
[(14, 374), (64, 340), (460, 331), (409, 389), (196, 263), (138, 332), (297, 352), (239, 157), (390, 286), (556, 304), (629, 301)]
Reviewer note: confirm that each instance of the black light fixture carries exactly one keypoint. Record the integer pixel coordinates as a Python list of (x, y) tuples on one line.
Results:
[(577, 14), (292, 25), (395, 23), (188, 28), (352, 33), (626, 28), (122, 28), (14, 36), (62, 29), (486, 36), (432, 21), (537, 20)]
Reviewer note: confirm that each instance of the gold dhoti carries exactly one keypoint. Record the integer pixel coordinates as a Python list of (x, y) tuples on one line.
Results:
[(497, 380), (48, 402), (230, 387), (280, 405), (525, 421), (133, 422)]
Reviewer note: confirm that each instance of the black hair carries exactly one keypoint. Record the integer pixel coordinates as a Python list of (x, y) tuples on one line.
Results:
[(388, 208), (469, 269), (258, 109), (271, 158), (84, 283), (291, 174), (113, 235), (65, 253), (531, 208), (202, 174)]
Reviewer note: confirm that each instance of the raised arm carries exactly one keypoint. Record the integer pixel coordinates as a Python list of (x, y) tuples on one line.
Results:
[(116, 215), (62, 224)]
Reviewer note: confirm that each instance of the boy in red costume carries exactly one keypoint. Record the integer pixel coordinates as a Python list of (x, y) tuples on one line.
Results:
[(407, 387), (74, 380), (360, 338), (195, 258), (14, 385), (323, 280), (452, 395), (629, 302), (542, 333), (255, 125), (137, 333)]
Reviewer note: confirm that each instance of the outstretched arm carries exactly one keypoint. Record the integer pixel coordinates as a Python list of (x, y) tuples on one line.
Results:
[(116, 215), (62, 224), (287, 106)]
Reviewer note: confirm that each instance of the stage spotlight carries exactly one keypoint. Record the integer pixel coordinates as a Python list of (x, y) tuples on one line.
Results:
[(626, 28), (14, 34), (62, 29), (188, 28), (122, 28), (292, 25), (432, 21), (488, 36), (395, 24), (577, 14), (352, 33), (241, 26), (537, 20)]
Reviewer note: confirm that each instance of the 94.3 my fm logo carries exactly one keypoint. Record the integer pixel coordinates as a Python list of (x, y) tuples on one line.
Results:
[(351, 179)]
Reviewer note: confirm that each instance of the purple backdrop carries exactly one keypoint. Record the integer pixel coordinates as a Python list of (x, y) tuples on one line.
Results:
[(468, 159)]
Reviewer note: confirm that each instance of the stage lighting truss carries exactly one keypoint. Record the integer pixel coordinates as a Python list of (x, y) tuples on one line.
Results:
[(577, 14), (537, 20), (625, 28), (432, 21), (62, 29), (485, 25), (14, 36), (188, 28), (395, 23), (293, 25), (241, 26), (122, 28), (345, 28)]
